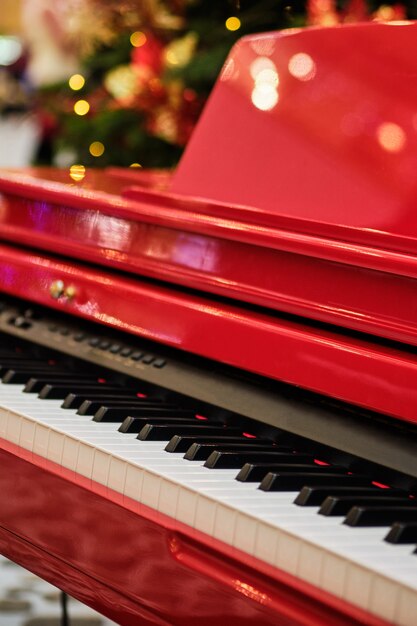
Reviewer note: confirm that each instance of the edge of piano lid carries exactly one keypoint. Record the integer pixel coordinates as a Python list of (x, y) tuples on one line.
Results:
[(231, 257)]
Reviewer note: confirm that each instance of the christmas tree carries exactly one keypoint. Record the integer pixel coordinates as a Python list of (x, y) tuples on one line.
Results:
[(146, 68)]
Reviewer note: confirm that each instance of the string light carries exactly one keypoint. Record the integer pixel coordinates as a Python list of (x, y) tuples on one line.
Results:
[(76, 82), (233, 23), (77, 172), (96, 149), (81, 107), (138, 39)]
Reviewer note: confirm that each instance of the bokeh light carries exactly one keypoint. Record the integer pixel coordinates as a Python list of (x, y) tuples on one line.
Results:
[(96, 149), (233, 23), (81, 107), (76, 82), (77, 172), (138, 39)]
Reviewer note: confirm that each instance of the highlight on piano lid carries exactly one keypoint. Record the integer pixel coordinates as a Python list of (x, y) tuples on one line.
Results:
[(208, 314)]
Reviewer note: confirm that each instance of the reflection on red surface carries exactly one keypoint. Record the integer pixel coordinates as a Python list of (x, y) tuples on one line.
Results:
[(321, 125)]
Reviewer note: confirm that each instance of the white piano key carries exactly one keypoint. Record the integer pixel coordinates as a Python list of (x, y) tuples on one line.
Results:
[(101, 466), (55, 446), (245, 533), (13, 428), (358, 584), (85, 460), (70, 453), (150, 489), (333, 574), (205, 514), (117, 474), (133, 482), (168, 498), (384, 598), (266, 542), (41, 439), (186, 506), (225, 523), (27, 434), (310, 563)]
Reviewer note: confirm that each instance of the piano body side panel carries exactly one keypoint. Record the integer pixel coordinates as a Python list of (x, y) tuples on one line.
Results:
[(376, 377), (141, 567)]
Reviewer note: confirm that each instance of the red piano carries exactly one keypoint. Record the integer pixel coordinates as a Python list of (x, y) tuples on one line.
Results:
[(208, 403)]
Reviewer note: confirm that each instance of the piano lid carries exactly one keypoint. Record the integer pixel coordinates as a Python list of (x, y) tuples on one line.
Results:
[(318, 125)]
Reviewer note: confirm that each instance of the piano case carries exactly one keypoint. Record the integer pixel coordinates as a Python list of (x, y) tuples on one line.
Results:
[(283, 245)]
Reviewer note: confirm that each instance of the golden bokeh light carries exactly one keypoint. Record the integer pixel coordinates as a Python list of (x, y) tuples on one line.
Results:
[(96, 149), (391, 137), (81, 107), (76, 82), (233, 23), (138, 39), (77, 172), (135, 165)]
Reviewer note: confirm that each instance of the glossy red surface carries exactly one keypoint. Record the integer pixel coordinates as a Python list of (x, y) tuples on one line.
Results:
[(315, 124), (374, 376), (140, 567)]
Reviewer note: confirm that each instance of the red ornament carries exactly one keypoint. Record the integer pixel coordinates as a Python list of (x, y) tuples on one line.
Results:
[(149, 55)]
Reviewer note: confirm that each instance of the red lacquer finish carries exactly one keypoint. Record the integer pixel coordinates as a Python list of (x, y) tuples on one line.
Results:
[(140, 567), (376, 377), (315, 124)]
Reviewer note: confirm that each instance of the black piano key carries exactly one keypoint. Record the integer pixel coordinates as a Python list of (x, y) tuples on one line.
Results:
[(233, 460), (25, 364), (35, 384), (135, 424), (202, 451), (402, 532), (180, 443), (75, 400), (90, 406), (287, 481), (60, 391), (315, 495), (156, 432), (21, 376), (380, 516), (108, 414), (341, 505), (255, 472)]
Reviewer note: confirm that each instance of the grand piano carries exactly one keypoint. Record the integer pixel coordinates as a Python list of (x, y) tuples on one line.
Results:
[(209, 377)]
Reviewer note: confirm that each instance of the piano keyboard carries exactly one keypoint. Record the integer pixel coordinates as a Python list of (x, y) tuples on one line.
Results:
[(160, 461)]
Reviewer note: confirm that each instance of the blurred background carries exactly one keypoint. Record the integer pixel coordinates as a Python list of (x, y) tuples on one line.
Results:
[(122, 82)]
